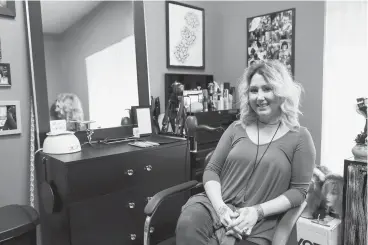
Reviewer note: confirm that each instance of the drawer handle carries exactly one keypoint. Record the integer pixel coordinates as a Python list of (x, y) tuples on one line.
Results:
[(152, 229), (131, 205), (133, 236), (148, 199), (130, 172), (148, 167)]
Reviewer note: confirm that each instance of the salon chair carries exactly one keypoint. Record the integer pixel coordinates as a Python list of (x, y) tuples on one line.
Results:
[(285, 233)]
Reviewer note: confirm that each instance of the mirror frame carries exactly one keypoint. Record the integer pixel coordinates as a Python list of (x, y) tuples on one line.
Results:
[(37, 70)]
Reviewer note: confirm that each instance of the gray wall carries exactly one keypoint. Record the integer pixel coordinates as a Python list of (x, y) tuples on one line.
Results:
[(14, 149), (54, 70), (226, 48), (107, 24)]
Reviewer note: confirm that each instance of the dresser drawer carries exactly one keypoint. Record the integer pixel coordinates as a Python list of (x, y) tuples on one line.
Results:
[(167, 170), (100, 176), (120, 217), (117, 216)]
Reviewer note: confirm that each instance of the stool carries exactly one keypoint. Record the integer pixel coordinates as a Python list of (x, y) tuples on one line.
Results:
[(18, 225)]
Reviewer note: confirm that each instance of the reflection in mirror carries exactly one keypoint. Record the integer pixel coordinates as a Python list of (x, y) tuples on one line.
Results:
[(90, 61)]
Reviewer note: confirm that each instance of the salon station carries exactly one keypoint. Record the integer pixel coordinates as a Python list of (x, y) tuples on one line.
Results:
[(183, 122)]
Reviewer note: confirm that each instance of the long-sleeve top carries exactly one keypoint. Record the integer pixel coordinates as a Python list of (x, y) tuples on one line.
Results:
[(286, 169)]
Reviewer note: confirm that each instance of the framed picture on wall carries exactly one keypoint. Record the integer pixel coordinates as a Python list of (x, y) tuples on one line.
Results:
[(7, 8), (5, 77), (185, 28), (272, 36), (10, 122)]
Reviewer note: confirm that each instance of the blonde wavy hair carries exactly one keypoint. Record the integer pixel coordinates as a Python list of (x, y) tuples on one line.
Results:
[(69, 107), (284, 87)]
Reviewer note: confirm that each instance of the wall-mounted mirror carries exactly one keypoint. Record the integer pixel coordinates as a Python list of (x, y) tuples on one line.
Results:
[(88, 62)]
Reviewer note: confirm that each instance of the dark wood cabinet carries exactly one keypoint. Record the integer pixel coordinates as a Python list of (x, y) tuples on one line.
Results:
[(101, 192), (207, 141)]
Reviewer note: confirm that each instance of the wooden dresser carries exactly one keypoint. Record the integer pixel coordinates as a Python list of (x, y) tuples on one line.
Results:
[(100, 193)]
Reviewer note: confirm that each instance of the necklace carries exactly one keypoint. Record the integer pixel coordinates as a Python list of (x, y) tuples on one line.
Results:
[(244, 190), (267, 123), (256, 164)]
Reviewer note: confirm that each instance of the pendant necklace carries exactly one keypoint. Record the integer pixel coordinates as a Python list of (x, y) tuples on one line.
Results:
[(256, 164), (241, 192)]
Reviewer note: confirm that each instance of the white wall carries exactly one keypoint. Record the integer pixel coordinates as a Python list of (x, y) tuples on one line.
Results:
[(345, 79)]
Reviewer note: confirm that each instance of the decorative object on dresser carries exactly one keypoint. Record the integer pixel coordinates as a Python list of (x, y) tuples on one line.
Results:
[(272, 36), (97, 196), (7, 9), (360, 149), (185, 36), (141, 118), (10, 119), (355, 203), (61, 143), (5, 76)]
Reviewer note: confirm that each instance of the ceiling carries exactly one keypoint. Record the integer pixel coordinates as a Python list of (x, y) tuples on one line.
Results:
[(57, 16)]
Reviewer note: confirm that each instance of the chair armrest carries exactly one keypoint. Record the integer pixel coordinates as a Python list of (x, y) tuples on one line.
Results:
[(207, 128), (156, 200), (286, 224)]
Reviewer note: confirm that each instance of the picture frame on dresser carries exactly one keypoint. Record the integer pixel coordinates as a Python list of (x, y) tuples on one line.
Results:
[(185, 36), (10, 119), (141, 117)]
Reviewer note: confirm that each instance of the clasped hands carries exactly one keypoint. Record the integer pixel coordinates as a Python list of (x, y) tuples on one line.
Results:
[(238, 223)]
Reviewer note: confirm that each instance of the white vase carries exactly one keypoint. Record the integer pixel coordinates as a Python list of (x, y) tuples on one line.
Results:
[(360, 152)]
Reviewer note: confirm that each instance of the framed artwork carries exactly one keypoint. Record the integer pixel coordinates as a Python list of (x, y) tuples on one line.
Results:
[(185, 28), (5, 77), (272, 36), (7, 8), (10, 122)]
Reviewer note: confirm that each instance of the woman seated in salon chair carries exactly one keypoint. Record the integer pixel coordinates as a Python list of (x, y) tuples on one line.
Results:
[(261, 167)]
